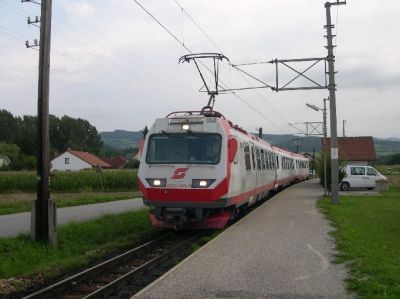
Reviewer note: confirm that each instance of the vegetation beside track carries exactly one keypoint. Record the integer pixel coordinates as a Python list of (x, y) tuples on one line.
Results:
[(23, 261), (21, 202), (72, 181), (368, 238)]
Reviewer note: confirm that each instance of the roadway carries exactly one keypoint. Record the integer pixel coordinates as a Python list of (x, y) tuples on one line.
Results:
[(14, 224)]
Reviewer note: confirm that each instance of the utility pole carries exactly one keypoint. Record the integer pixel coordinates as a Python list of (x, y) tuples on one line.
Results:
[(344, 128), (260, 133), (332, 97), (43, 211), (324, 149)]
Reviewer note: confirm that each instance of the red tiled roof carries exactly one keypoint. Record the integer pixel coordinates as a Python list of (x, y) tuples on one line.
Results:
[(116, 162), (89, 158), (355, 148)]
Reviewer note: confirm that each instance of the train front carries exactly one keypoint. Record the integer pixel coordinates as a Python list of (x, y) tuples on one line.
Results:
[(183, 173)]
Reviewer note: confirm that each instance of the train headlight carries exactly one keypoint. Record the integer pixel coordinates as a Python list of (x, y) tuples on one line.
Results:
[(185, 127), (202, 183), (157, 182)]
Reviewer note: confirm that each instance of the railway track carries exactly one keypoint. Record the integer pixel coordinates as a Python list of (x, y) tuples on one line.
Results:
[(124, 275)]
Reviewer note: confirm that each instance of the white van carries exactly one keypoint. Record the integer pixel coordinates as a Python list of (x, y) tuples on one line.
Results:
[(360, 177)]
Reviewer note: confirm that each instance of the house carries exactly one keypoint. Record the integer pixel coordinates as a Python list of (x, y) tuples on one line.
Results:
[(116, 162), (4, 161), (77, 160), (355, 150), (137, 156)]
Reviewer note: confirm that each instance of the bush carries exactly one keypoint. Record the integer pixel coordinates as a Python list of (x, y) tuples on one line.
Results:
[(320, 168)]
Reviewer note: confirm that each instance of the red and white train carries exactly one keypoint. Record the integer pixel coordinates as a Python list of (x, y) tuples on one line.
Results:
[(198, 170)]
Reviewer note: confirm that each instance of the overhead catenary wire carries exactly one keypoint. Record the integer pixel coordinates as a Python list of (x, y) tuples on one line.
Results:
[(113, 59), (105, 77), (190, 51), (198, 26), (235, 66), (118, 56)]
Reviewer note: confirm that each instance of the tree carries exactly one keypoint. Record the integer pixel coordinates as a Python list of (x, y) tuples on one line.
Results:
[(18, 160), (8, 127), (27, 135), (320, 168), (65, 132), (12, 151), (78, 134)]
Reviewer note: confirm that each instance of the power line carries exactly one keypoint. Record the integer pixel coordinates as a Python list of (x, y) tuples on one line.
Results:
[(190, 51), (234, 66), (165, 28), (105, 77), (198, 26), (77, 25)]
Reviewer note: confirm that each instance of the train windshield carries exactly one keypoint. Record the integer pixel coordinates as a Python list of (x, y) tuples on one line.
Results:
[(184, 149)]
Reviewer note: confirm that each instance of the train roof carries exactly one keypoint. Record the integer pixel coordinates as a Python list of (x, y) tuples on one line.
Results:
[(287, 152)]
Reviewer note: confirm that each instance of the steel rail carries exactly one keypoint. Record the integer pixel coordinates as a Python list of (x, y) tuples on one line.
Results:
[(108, 289), (60, 286)]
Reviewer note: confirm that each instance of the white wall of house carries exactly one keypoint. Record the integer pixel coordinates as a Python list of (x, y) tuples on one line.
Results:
[(67, 161), (358, 163), (3, 162)]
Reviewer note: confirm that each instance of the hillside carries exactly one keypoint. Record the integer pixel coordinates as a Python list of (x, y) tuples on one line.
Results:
[(121, 139)]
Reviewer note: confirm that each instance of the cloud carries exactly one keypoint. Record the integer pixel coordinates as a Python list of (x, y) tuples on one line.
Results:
[(80, 10)]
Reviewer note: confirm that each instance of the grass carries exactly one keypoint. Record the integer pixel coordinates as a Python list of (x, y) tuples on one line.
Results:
[(205, 239), (383, 169), (368, 238), (21, 202), (78, 245)]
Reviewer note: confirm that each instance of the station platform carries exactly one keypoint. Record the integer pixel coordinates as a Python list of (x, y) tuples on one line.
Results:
[(280, 250)]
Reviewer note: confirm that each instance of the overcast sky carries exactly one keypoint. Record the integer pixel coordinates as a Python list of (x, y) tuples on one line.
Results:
[(116, 67)]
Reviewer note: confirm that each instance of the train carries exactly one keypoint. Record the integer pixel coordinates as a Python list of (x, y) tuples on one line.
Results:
[(198, 170)]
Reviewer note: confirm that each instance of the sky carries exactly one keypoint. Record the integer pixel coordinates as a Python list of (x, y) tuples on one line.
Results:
[(115, 66)]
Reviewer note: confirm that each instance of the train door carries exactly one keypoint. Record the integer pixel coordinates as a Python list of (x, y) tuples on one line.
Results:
[(275, 166), (259, 177), (243, 165), (248, 173)]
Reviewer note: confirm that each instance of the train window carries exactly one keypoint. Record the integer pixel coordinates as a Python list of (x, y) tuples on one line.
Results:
[(184, 149), (277, 162), (272, 160), (247, 161), (258, 158), (252, 156), (269, 160), (262, 158)]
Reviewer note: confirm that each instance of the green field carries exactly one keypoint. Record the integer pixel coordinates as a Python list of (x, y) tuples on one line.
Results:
[(368, 238), (71, 181)]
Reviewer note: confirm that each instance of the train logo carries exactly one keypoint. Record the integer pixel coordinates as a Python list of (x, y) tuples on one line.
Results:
[(179, 173)]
